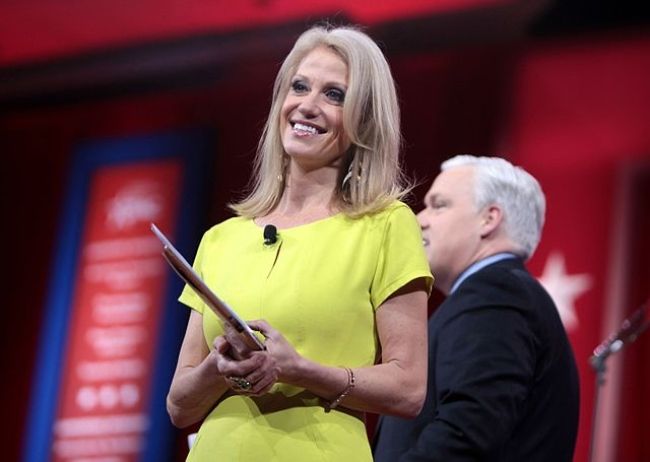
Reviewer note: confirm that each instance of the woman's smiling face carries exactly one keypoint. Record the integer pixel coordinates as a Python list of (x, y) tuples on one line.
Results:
[(312, 113)]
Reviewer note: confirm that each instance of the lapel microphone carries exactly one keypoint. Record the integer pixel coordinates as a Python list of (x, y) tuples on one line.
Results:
[(270, 235)]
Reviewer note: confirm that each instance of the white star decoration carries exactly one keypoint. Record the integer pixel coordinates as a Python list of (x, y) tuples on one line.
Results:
[(564, 288)]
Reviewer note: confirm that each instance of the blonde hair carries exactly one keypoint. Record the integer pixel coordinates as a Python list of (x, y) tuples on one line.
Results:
[(371, 119)]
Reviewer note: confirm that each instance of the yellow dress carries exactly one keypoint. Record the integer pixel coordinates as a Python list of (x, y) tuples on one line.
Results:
[(319, 285)]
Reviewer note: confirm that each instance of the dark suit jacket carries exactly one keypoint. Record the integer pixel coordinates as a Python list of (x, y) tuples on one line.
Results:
[(502, 381)]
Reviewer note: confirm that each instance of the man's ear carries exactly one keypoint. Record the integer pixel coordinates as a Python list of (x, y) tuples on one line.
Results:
[(492, 217)]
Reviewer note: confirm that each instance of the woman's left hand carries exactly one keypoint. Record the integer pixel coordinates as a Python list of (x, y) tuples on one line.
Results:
[(251, 372), (286, 358)]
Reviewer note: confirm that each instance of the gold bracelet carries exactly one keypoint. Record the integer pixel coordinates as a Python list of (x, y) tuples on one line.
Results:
[(348, 388)]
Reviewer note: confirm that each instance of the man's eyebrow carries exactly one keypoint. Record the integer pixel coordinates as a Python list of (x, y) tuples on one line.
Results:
[(429, 198)]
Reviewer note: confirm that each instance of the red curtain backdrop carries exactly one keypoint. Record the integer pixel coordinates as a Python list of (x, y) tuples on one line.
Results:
[(580, 123), (37, 29), (575, 113)]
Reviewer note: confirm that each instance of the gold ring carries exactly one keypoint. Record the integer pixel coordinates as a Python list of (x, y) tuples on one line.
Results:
[(241, 383)]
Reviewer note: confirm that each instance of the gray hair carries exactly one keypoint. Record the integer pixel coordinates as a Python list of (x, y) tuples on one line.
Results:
[(516, 191)]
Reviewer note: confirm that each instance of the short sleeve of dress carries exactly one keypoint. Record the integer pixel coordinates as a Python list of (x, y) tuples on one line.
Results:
[(188, 296), (401, 256)]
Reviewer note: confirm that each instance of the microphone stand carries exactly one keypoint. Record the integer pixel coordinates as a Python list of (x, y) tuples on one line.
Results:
[(630, 330)]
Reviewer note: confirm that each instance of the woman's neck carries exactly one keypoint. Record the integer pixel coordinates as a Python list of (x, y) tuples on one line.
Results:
[(307, 197)]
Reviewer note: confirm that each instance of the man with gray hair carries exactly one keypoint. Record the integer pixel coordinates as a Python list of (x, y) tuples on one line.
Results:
[(502, 380)]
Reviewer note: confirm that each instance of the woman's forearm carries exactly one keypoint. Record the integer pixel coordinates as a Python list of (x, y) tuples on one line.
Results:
[(193, 393), (397, 386), (384, 388)]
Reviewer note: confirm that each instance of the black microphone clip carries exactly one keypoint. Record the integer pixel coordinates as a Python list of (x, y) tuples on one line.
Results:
[(270, 235)]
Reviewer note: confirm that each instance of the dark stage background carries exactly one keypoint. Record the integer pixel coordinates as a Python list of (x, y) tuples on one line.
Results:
[(558, 87)]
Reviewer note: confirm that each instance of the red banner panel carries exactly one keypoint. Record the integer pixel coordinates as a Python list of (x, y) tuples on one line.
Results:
[(117, 307)]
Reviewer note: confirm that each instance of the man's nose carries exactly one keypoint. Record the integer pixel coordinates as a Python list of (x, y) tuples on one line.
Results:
[(422, 219)]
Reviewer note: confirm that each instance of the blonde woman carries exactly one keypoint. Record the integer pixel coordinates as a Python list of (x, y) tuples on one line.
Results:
[(339, 295)]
